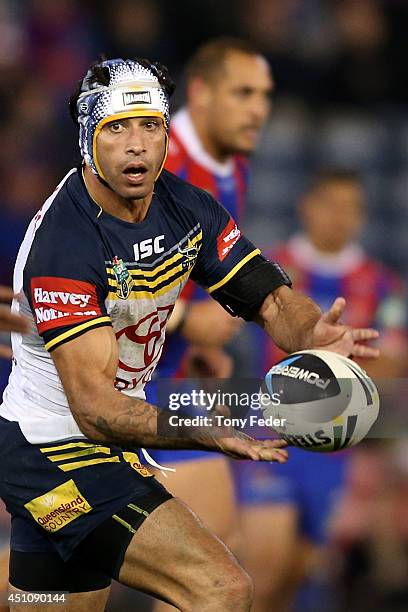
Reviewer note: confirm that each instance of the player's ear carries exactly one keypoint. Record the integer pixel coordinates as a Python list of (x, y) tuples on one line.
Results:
[(199, 92)]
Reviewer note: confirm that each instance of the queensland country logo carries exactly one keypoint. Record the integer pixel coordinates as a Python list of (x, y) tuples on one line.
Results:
[(123, 278), (58, 507), (189, 253), (226, 240)]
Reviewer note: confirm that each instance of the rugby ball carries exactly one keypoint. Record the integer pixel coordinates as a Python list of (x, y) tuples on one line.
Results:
[(326, 402)]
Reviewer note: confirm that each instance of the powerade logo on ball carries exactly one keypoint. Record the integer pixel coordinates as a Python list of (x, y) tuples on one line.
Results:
[(315, 377), (312, 378)]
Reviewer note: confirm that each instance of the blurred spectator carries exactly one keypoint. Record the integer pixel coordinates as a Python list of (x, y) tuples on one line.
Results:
[(359, 74), (339, 52), (61, 41), (274, 28), (370, 530), (138, 28), (13, 37)]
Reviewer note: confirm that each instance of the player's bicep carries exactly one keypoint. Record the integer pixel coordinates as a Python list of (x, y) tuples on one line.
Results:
[(87, 367)]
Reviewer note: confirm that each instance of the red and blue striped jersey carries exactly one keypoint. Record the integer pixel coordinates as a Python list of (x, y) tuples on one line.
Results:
[(226, 182), (374, 294)]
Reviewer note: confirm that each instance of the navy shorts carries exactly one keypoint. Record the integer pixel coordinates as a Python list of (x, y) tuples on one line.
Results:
[(58, 493)]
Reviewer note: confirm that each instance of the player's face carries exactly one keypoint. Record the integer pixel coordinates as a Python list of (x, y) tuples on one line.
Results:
[(130, 153), (333, 215), (238, 103)]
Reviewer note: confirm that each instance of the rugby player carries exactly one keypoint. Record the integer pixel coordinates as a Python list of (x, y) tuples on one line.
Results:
[(285, 513), (100, 268), (228, 91)]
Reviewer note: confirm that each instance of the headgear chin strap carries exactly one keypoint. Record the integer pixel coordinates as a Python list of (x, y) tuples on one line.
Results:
[(133, 91)]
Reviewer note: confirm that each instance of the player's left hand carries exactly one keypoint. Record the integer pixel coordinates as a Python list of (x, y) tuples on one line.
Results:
[(331, 335)]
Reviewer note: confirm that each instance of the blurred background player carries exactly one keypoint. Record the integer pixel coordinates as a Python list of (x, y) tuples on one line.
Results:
[(228, 89), (9, 321), (285, 513)]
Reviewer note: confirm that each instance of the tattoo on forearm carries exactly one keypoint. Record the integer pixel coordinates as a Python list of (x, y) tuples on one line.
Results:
[(136, 425)]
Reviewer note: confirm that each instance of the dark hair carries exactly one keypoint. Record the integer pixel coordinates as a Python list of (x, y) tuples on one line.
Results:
[(333, 175), (210, 57), (100, 75)]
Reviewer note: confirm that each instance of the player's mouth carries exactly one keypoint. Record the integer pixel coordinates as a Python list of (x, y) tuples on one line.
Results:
[(251, 131), (135, 173)]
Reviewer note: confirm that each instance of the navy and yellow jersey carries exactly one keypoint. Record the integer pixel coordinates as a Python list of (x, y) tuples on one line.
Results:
[(80, 268)]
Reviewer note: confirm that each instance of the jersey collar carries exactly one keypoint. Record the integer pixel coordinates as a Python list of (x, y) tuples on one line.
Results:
[(309, 258), (183, 125)]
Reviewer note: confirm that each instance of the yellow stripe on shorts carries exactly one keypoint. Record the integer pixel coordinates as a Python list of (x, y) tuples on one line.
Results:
[(67, 467), (81, 453), (50, 449)]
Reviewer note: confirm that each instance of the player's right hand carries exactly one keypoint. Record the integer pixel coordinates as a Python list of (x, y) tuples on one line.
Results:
[(244, 447), (237, 444)]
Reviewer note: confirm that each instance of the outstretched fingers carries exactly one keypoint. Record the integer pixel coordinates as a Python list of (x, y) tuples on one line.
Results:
[(333, 315), (244, 447), (271, 450), (362, 350)]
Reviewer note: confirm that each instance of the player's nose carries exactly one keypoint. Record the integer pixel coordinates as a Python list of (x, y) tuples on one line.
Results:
[(260, 109), (135, 142)]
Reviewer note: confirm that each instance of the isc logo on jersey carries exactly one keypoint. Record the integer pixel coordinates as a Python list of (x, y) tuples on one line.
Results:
[(147, 247), (226, 240), (61, 298)]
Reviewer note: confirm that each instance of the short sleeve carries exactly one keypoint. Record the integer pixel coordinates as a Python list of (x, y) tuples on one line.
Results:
[(65, 287), (225, 249)]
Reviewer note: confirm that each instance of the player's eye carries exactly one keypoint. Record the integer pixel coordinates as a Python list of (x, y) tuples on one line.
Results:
[(151, 125), (244, 92), (116, 127)]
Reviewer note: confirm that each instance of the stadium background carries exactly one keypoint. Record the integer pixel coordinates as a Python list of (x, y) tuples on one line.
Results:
[(341, 76)]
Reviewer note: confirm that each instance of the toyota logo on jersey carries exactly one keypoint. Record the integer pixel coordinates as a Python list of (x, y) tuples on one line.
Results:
[(140, 347)]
